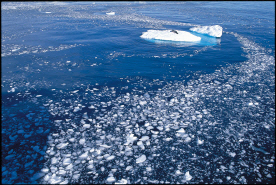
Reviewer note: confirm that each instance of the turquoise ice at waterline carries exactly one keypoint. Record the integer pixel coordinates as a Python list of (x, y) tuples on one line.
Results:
[(106, 92)]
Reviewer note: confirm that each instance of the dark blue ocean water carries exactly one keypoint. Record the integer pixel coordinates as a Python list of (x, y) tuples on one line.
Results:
[(69, 65)]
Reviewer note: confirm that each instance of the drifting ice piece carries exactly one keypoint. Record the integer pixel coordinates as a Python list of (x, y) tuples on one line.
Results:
[(171, 36), (214, 31), (110, 13), (141, 159), (188, 177)]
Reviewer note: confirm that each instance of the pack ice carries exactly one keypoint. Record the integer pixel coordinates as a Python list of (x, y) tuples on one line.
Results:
[(214, 31), (170, 36)]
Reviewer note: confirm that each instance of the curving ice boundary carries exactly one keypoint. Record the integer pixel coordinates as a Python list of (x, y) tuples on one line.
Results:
[(214, 31), (94, 154), (171, 36)]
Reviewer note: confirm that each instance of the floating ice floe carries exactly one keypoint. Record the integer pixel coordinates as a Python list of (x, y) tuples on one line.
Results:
[(111, 179), (122, 181), (200, 142), (188, 177), (130, 139), (214, 31), (141, 159), (170, 36)]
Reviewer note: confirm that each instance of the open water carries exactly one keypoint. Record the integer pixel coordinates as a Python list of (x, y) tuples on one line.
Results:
[(85, 99)]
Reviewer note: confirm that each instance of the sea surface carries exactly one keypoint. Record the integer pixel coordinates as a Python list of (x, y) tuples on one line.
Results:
[(85, 99)]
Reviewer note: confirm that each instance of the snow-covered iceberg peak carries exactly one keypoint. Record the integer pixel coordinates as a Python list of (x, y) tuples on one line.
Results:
[(215, 31), (170, 35)]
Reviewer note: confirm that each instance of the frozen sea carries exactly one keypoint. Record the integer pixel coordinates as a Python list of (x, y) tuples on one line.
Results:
[(86, 99)]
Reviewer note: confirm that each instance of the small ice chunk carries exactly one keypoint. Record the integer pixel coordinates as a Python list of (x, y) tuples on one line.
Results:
[(70, 166), (84, 155), (66, 161), (128, 168), (178, 172), (181, 131), (72, 140), (130, 139), (76, 109), (10, 157), (62, 145), (187, 139), (140, 144), (143, 102), (188, 177), (38, 96), (54, 160), (82, 141), (36, 148), (144, 138), (65, 182), (20, 132), (141, 159), (37, 176), (111, 179), (122, 181), (214, 31), (86, 125), (110, 13), (200, 142), (45, 170), (110, 158), (232, 154), (105, 146), (269, 176)]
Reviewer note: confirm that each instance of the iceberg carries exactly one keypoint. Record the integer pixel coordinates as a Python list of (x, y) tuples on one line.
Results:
[(169, 35), (214, 31)]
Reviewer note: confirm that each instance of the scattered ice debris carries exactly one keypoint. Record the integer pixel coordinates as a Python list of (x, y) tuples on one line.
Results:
[(171, 36), (215, 31)]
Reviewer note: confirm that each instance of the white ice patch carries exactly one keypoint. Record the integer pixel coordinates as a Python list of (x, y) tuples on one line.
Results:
[(141, 159), (62, 145), (130, 139), (200, 142), (122, 181), (111, 179), (110, 13), (171, 36), (188, 177), (214, 31)]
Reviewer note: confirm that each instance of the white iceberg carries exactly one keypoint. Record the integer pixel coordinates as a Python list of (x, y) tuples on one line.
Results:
[(214, 31), (169, 35)]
